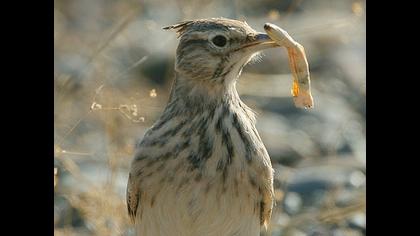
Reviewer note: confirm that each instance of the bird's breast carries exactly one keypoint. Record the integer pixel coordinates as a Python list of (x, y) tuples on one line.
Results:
[(206, 177)]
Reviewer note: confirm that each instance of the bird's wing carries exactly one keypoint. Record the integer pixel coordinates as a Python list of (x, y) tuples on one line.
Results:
[(133, 197), (266, 207), (267, 201)]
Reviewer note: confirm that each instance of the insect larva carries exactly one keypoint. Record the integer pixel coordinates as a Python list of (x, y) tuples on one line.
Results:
[(301, 88)]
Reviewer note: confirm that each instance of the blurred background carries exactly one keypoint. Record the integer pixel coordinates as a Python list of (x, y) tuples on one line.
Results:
[(113, 68)]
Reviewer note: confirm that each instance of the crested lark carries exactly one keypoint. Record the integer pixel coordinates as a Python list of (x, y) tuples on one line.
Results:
[(202, 168)]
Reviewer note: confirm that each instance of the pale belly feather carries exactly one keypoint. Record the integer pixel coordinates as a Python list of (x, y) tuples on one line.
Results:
[(199, 209)]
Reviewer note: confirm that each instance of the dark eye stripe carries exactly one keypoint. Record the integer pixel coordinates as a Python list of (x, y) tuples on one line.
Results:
[(194, 41)]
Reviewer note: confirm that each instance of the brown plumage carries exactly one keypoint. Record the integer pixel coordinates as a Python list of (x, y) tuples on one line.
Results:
[(202, 168)]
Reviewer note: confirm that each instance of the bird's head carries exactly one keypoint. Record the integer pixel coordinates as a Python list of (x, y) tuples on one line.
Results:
[(214, 51)]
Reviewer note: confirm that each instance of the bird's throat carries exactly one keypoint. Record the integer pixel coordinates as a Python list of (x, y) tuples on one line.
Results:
[(202, 93)]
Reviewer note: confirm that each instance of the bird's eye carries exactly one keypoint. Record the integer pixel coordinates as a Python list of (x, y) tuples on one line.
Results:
[(219, 40)]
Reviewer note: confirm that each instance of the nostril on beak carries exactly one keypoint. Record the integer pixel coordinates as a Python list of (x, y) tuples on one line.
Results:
[(262, 37)]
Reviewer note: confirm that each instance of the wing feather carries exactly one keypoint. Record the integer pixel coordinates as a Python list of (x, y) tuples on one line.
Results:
[(133, 198)]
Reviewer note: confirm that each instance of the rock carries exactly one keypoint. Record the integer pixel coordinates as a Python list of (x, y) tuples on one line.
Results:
[(292, 203), (358, 221), (357, 179), (313, 184)]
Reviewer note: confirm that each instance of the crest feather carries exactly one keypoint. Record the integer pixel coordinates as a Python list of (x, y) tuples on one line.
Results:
[(179, 27)]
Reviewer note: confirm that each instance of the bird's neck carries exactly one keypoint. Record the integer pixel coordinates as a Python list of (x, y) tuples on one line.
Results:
[(201, 95)]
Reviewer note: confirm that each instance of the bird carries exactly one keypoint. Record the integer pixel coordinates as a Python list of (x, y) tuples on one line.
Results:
[(202, 167)]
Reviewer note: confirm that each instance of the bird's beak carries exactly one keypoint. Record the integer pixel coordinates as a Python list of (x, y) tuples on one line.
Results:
[(260, 42)]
